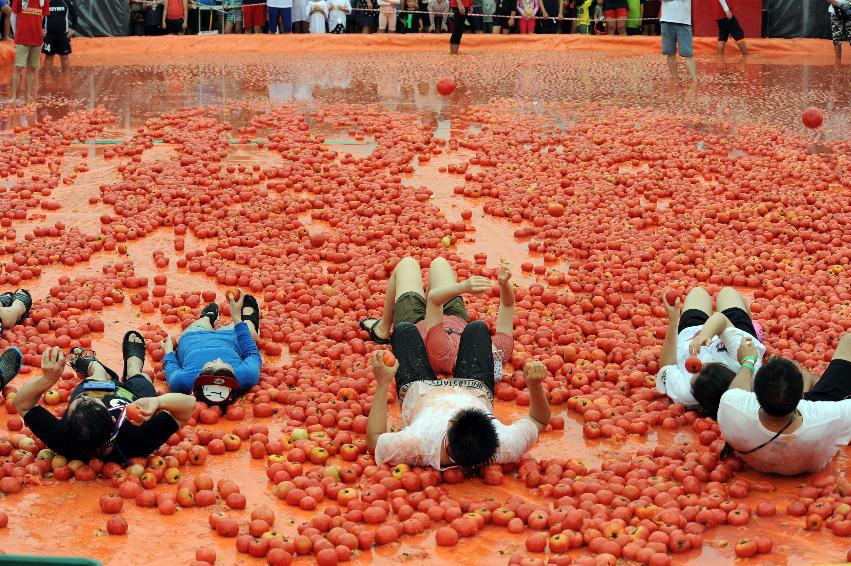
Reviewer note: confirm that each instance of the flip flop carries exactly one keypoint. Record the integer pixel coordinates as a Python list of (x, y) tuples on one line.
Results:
[(132, 350), (10, 365), (24, 296), (211, 311), (81, 365), (6, 299), (371, 330), (251, 302), (760, 331)]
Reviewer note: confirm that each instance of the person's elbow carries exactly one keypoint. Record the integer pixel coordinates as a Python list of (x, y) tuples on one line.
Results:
[(372, 441)]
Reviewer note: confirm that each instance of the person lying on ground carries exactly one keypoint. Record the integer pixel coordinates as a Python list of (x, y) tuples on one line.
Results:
[(14, 308), (97, 422), (441, 318), (216, 365), (450, 422), (714, 338), (776, 424)]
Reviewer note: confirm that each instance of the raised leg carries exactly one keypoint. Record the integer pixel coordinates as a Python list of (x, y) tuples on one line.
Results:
[(698, 299), (729, 298)]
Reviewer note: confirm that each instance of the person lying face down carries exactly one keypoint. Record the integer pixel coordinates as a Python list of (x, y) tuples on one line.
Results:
[(450, 422), (216, 365), (776, 425), (107, 417)]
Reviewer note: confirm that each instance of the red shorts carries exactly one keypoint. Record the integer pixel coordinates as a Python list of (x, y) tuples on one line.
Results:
[(616, 14), (254, 16)]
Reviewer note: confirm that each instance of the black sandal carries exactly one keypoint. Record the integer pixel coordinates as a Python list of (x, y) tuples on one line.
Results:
[(371, 330), (24, 296), (250, 302), (80, 364), (211, 311), (132, 350), (10, 365), (6, 299)]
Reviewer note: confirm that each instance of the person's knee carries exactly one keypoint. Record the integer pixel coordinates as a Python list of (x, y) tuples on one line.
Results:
[(476, 327), (843, 349), (408, 262)]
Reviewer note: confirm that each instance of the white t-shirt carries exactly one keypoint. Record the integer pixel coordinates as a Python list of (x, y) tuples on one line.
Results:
[(336, 15), (317, 19), (675, 381), (279, 3), (676, 12), (426, 411), (826, 427)]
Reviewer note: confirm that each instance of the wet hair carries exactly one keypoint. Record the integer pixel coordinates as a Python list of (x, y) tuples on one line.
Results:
[(90, 426), (221, 372), (778, 385), (709, 385), (472, 440)]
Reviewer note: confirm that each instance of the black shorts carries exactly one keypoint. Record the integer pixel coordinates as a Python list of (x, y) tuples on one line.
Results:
[(737, 317), (476, 22), (731, 27), (56, 44), (411, 307), (139, 385), (834, 384), (174, 27)]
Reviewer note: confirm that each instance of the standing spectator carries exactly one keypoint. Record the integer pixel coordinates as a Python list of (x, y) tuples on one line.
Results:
[(29, 36), (337, 11), (253, 15), (677, 35), (488, 9), (583, 17), (474, 18), (635, 17), (153, 17), (59, 29), (650, 13), (318, 11), (840, 24), (527, 10), (616, 12), (364, 18), (387, 15), (137, 16), (551, 10), (6, 11), (728, 26), (409, 18), (174, 17), (568, 10), (300, 16), (279, 12), (460, 9), (599, 18), (506, 10), (233, 16), (438, 8)]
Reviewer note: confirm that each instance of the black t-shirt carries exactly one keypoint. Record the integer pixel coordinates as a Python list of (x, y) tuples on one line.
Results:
[(615, 5), (132, 441), (62, 16)]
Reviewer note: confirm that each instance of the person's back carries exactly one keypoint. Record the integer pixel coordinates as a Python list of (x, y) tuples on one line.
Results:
[(825, 427)]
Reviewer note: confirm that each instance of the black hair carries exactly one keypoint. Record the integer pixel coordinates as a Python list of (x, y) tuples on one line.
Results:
[(709, 385), (778, 385), (90, 426), (221, 372), (472, 440)]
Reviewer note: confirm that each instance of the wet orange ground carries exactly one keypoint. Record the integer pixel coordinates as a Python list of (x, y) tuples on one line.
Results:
[(63, 518)]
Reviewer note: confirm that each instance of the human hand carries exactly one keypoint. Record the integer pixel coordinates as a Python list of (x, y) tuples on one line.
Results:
[(185, 26), (504, 272), (52, 364), (383, 373), (236, 307), (462, 9), (148, 406), (70, 33), (729, 14), (164, 25), (671, 310), (477, 284), (534, 372), (698, 342), (168, 345), (747, 349)]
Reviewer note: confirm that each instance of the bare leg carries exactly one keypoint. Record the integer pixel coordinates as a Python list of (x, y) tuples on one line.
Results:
[(729, 298), (201, 324), (721, 45), (9, 315), (406, 278), (691, 65), (743, 47), (30, 84), (672, 65), (440, 274), (48, 64), (611, 26), (622, 26), (698, 299), (843, 350), (837, 50), (16, 79)]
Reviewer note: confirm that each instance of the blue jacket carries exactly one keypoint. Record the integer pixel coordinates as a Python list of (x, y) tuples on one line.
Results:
[(234, 346)]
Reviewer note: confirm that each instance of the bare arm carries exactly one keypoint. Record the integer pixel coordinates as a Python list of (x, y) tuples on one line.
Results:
[(669, 346), (178, 405), (505, 317), (376, 424), (52, 362), (442, 295), (539, 405), (744, 379), (713, 327)]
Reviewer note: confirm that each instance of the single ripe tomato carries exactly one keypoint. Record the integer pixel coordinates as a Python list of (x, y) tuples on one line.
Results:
[(134, 414), (812, 117), (694, 365), (446, 86), (389, 359)]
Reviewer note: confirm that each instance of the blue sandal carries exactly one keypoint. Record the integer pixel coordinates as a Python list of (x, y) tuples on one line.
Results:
[(24, 296)]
